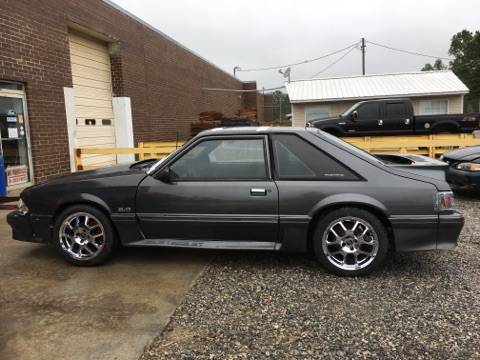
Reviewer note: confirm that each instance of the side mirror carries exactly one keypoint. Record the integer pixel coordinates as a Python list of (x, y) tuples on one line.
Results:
[(354, 115), (165, 175)]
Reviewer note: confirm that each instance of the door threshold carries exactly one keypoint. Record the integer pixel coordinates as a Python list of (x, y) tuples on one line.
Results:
[(209, 244)]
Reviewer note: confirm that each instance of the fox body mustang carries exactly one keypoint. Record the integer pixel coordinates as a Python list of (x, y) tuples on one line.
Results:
[(247, 188)]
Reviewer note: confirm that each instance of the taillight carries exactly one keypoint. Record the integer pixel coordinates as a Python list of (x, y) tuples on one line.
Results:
[(444, 201)]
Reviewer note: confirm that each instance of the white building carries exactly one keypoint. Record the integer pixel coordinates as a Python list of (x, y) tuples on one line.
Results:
[(431, 92)]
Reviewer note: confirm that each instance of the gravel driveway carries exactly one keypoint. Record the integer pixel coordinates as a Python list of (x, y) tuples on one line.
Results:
[(252, 305)]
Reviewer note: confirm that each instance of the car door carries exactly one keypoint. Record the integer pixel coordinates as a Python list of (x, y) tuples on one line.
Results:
[(396, 118), (368, 120), (221, 190)]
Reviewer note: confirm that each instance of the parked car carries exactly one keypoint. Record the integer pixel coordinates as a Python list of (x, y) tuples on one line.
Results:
[(464, 167), (393, 117), (253, 188)]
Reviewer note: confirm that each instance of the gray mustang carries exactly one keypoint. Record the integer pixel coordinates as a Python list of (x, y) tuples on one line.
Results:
[(247, 188)]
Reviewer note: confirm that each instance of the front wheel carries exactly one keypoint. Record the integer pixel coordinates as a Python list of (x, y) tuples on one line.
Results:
[(350, 242), (84, 235)]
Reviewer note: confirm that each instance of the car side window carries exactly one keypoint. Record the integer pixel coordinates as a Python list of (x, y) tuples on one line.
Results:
[(368, 111), (296, 159), (395, 110), (222, 159)]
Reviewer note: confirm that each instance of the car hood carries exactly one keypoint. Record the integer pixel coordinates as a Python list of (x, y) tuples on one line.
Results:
[(466, 154), (322, 120), (118, 170)]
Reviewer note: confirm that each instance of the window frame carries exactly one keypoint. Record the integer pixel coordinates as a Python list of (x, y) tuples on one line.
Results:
[(365, 104), (387, 115), (277, 177), (266, 156)]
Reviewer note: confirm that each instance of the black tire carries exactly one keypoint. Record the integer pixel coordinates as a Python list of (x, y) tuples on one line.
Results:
[(350, 215), (105, 244)]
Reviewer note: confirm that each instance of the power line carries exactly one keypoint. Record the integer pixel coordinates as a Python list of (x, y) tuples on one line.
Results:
[(333, 63), (408, 51), (297, 63)]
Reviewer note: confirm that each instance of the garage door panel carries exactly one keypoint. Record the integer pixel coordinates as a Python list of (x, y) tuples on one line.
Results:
[(88, 42), (88, 112), (96, 132), (92, 83), (86, 92), (89, 53), (97, 103), (87, 72)]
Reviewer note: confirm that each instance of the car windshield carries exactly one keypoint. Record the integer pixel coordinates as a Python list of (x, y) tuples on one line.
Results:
[(341, 143), (350, 109)]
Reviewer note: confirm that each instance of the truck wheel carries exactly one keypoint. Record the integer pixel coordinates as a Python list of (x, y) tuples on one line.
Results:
[(350, 242), (84, 235)]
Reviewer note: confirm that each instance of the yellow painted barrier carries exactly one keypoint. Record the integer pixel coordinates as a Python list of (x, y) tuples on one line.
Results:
[(429, 145)]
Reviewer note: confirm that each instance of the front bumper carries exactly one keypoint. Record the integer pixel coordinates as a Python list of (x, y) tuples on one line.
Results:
[(462, 178), (28, 227), (426, 232)]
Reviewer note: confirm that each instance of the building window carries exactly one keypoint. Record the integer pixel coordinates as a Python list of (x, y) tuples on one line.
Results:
[(317, 112), (432, 107)]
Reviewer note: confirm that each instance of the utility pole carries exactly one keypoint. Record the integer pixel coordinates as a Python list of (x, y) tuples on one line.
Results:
[(363, 46)]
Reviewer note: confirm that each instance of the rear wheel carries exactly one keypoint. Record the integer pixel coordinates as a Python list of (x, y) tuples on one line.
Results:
[(350, 242), (84, 235)]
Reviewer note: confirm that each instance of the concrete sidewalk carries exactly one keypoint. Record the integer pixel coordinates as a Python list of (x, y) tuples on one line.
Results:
[(49, 309)]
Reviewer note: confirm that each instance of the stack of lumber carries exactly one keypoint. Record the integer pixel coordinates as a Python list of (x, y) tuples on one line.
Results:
[(206, 120), (212, 119), (250, 113)]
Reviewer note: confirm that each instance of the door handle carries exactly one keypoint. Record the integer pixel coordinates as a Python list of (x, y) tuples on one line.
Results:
[(258, 192), (407, 121), (380, 122)]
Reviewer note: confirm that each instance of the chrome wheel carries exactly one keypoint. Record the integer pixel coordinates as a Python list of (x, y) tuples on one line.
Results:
[(350, 243), (82, 236)]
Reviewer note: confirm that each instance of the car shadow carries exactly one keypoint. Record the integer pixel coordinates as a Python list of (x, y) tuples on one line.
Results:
[(396, 264)]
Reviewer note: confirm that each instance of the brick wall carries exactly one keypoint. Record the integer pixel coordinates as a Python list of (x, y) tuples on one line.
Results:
[(163, 79)]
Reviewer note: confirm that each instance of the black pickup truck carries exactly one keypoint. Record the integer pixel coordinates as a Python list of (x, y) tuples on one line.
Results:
[(392, 117)]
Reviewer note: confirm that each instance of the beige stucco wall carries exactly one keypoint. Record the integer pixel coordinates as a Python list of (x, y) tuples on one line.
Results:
[(455, 106)]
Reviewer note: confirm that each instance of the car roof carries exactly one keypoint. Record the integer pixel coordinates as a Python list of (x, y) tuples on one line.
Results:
[(251, 130)]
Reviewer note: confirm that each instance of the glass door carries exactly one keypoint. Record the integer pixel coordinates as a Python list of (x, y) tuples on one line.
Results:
[(14, 141)]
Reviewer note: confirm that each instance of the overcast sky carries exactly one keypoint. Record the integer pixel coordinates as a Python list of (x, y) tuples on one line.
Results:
[(261, 33)]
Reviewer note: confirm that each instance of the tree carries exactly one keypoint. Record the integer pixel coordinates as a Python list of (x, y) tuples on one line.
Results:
[(437, 65), (281, 105), (465, 48)]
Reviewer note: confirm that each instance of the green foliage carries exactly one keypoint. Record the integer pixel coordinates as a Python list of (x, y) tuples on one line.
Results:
[(465, 48), (437, 65), (281, 105)]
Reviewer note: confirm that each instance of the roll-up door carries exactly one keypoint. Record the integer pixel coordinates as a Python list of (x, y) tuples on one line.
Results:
[(92, 84)]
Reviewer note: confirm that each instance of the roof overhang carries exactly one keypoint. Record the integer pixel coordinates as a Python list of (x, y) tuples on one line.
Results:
[(450, 93)]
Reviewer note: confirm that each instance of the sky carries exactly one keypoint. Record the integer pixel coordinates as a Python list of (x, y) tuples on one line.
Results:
[(264, 33)]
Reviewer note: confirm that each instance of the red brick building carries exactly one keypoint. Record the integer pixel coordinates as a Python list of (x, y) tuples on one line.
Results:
[(84, 70)]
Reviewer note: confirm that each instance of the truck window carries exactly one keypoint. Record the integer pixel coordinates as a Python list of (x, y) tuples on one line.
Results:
[(368, 111), (395, 110)]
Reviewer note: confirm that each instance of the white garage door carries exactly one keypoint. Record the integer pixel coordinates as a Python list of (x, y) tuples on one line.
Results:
[(92, 84)]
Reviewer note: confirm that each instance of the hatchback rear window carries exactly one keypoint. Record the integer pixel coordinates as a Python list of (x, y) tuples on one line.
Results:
[(297, 159)]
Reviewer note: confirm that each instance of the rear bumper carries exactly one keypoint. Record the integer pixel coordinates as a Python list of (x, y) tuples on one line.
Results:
[(462, 178), (28, 227), (426, 232), (449, 228)]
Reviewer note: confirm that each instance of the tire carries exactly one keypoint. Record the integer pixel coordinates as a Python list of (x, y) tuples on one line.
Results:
[(84, 235), (361, 254)]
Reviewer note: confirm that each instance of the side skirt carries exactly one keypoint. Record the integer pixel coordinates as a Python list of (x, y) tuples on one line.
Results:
[(208, 244)]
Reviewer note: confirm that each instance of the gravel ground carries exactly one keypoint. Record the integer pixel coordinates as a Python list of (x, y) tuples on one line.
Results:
[(256, 305)]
